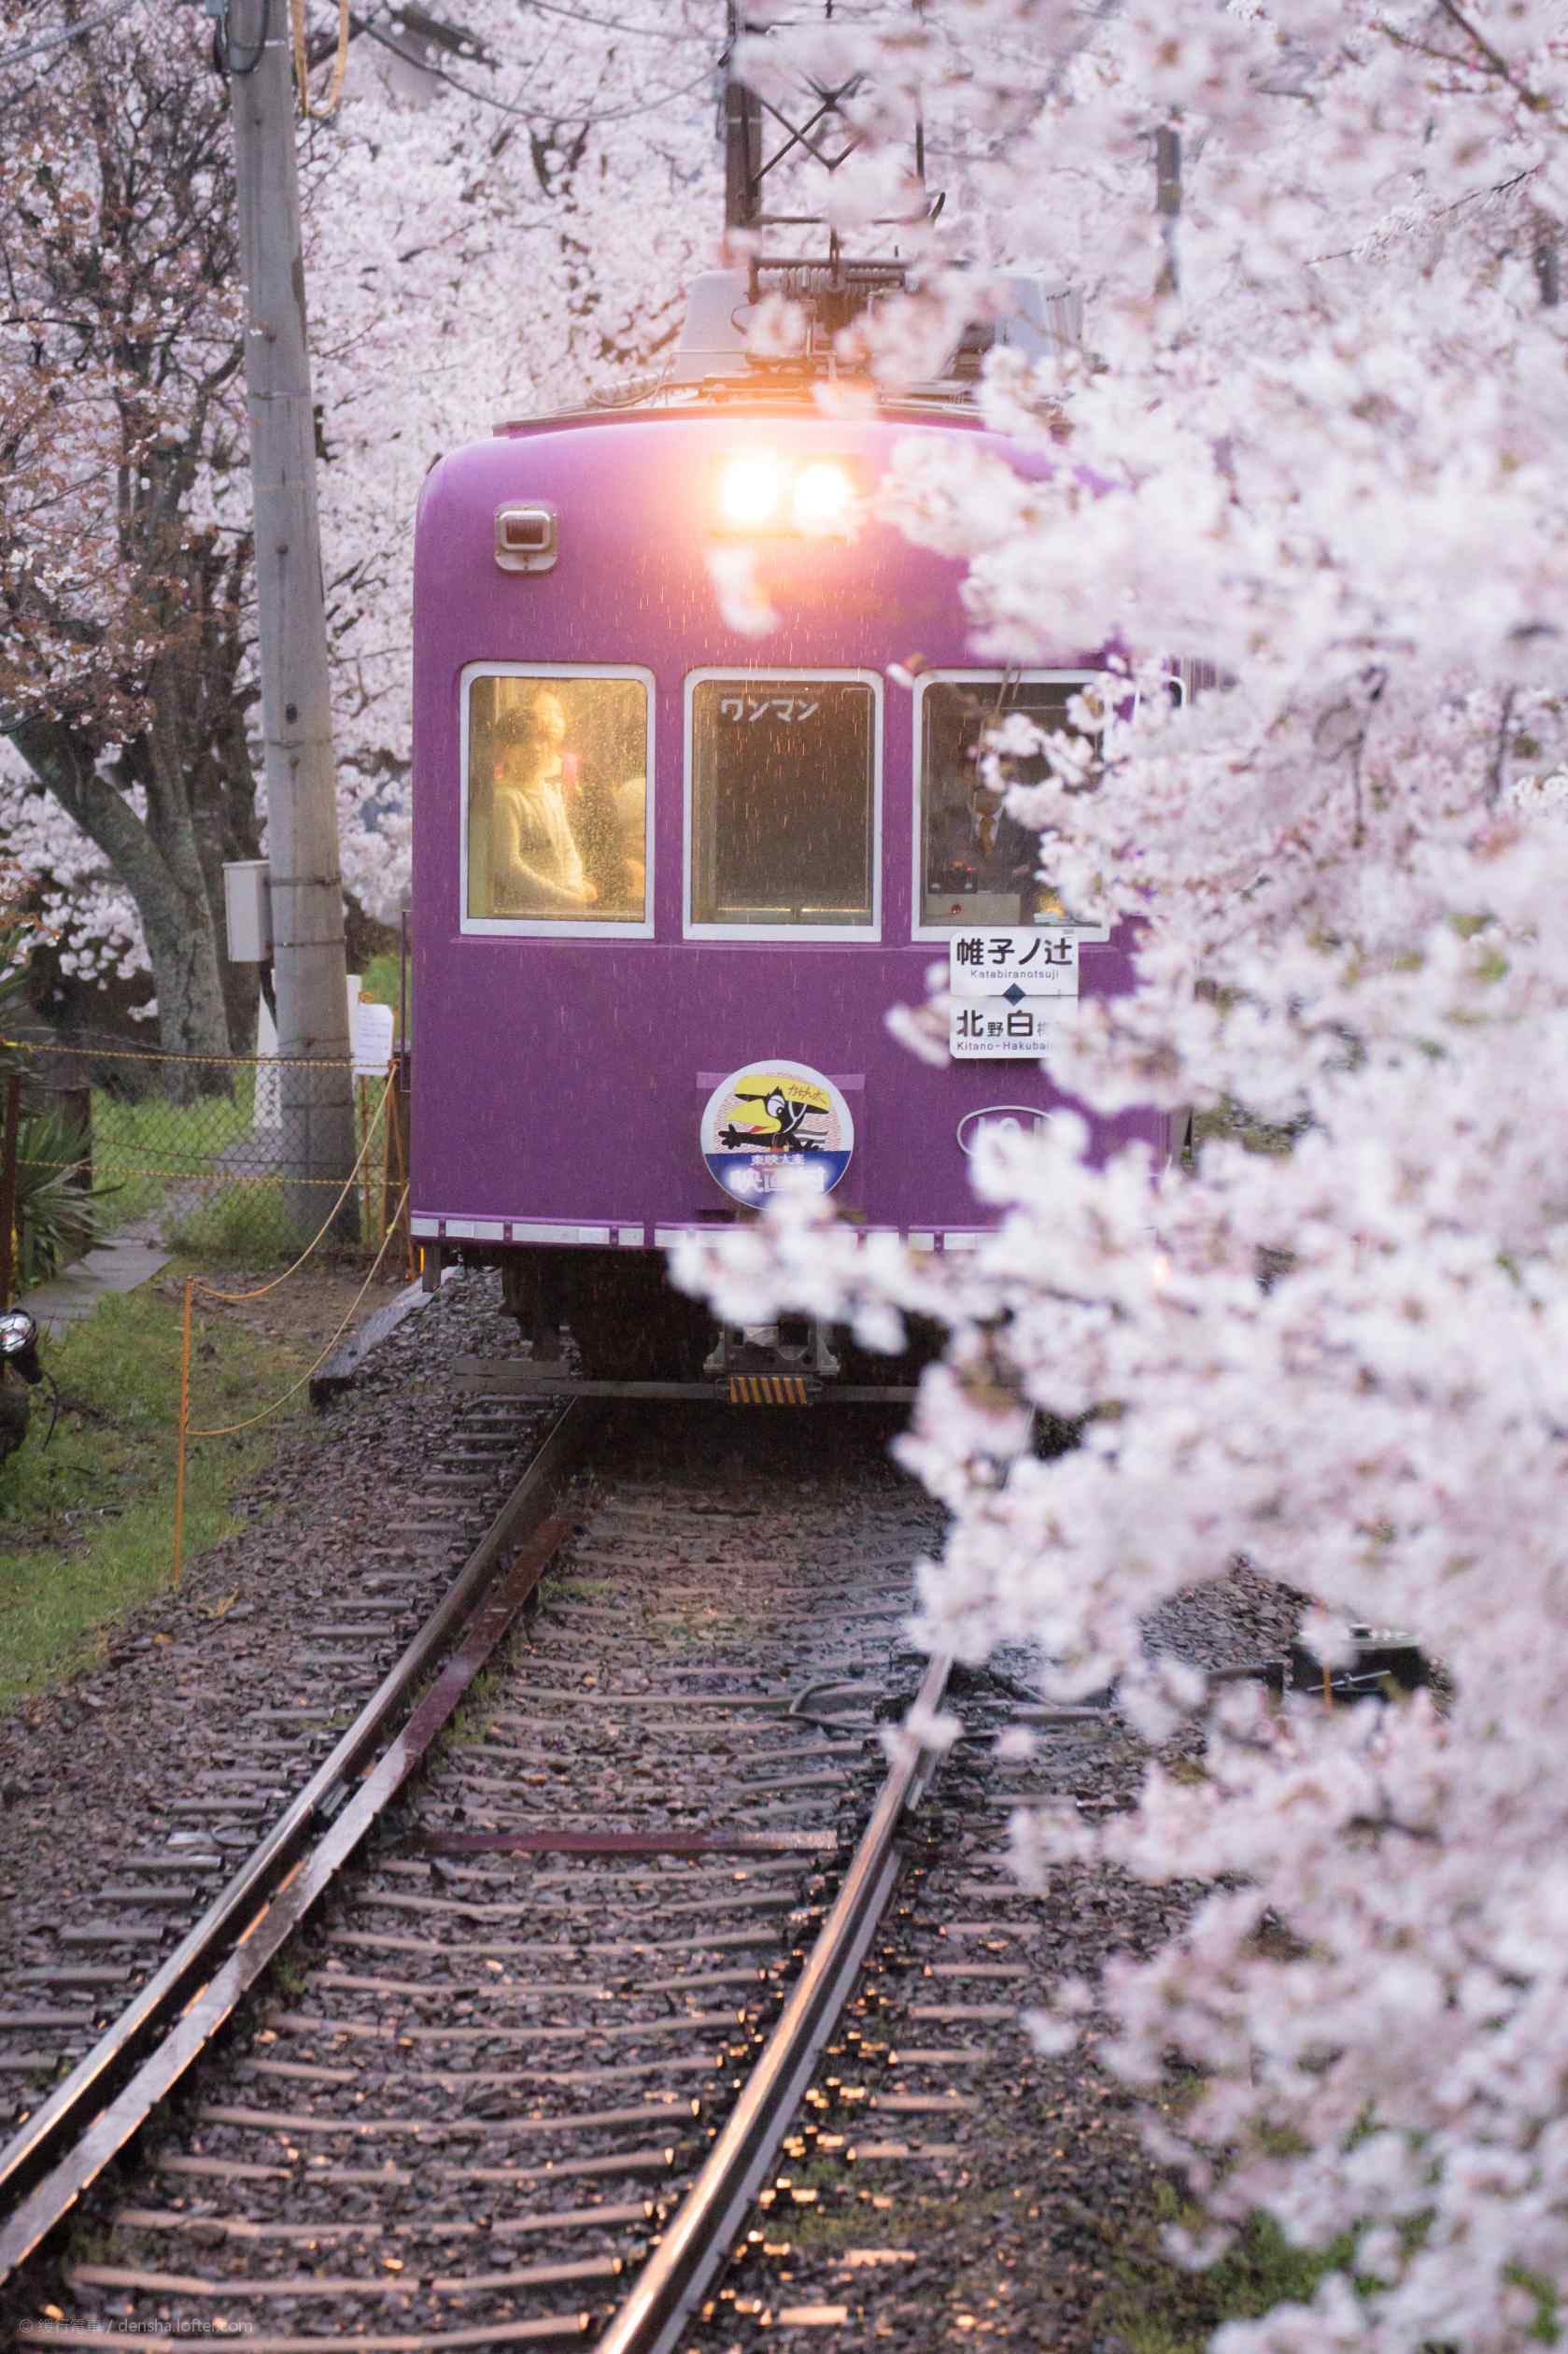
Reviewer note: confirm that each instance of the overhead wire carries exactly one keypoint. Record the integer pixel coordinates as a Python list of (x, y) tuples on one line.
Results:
[(223, 47), (608, 24), (547, 7), (72, 33), (540, 114)]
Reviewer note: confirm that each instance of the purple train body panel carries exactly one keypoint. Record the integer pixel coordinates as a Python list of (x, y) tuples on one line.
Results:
[(560, 1077)]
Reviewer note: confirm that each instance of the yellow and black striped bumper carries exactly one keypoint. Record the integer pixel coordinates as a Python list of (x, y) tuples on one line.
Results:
[(769, 1389)]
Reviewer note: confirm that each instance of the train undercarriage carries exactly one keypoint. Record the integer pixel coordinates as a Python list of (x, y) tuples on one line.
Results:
[(613, 1319)]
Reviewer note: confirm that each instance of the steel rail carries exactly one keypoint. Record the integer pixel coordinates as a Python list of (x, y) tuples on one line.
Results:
[(697, 2243), (65, 2143), (503, 1380)]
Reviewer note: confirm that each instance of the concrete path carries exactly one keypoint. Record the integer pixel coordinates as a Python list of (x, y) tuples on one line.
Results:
[(117, 1264)]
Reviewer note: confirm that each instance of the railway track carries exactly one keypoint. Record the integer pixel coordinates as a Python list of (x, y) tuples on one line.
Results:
[(82, 1965), (540, 2008), (61, 2146), (928, 2070)]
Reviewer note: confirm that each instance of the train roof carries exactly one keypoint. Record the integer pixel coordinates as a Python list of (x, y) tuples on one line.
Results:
[(761, 399), (710, 368)]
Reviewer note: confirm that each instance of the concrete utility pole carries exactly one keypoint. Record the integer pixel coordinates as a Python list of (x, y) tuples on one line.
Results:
[(309, 966)]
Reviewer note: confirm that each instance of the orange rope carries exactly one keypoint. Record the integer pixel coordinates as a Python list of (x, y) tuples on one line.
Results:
[(228, 1430), (159, 1054), (302, 63), (211, 1291), (184, 1428), (187, 1176)]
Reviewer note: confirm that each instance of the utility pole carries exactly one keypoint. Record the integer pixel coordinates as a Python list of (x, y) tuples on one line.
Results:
[(743, 133), (309, 965), (836, 286)]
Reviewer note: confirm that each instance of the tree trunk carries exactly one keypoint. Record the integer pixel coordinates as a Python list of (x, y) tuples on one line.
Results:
[(124, 601), (193, 1017), (192, 763), (217, 760), (158, 864)]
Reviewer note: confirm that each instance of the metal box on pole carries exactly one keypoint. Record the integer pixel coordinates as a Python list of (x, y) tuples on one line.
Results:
[(247, 910)]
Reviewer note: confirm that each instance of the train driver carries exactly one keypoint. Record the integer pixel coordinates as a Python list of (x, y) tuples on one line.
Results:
[(978, 847), (535, 861)]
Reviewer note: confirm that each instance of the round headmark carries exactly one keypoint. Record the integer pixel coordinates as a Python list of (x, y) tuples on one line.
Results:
[(771, 1118)]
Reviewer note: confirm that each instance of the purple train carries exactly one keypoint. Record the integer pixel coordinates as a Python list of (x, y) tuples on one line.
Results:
[(668, 878)]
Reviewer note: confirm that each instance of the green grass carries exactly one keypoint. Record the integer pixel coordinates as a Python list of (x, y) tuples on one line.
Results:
[(1274, 1138), (380, 981), (155, 1155), (86, 1524), (243, 1224), (1160, 2308), (470, 1721), (701, 1623), (140, 1148), (842, 2214), (288, 1978)]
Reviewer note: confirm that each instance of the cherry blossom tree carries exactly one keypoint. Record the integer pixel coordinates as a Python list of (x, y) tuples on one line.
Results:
[(1315, 436), (121, 643), (494, 217), (504, 224)]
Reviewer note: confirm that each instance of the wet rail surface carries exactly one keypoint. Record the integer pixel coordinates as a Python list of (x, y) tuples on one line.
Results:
[(458, 2117), (930, 2060)]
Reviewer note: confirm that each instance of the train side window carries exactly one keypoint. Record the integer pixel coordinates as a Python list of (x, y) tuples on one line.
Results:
[(555, 823), (975, 864), (781, 774)]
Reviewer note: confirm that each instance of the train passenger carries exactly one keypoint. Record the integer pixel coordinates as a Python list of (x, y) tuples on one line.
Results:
[(536, 865)]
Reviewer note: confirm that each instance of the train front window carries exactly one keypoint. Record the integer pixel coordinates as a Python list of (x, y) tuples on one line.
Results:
[(556, 782), (977, 865), (784, 793)]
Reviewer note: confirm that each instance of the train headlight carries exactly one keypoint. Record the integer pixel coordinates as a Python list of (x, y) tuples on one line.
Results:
[(822, 496), (751, 491)]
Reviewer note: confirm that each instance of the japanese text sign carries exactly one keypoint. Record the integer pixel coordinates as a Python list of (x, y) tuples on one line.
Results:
[(1009, 991), (989, 963)]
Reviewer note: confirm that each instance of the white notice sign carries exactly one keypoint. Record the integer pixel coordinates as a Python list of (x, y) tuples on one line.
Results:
[(370, 1042), (1011, 991), (1037, 963), (370, 1036)]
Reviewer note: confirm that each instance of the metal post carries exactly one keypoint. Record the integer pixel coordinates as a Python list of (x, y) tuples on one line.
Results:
[(7, 1187), (742, 155), (309, 959), (184, 1427), (74, 1105)]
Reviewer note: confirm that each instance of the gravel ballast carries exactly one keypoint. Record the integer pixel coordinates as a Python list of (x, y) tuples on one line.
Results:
[(152, 1774), (128, 1795)]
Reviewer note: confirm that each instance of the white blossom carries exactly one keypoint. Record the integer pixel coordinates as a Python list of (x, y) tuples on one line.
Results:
[(1329, 461)]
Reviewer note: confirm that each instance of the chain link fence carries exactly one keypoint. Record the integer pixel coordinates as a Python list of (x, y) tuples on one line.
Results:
[(218, 1156)]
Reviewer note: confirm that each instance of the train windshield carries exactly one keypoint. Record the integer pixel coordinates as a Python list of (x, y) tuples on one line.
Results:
[(784, 789), (977, 864), (556, 798)]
